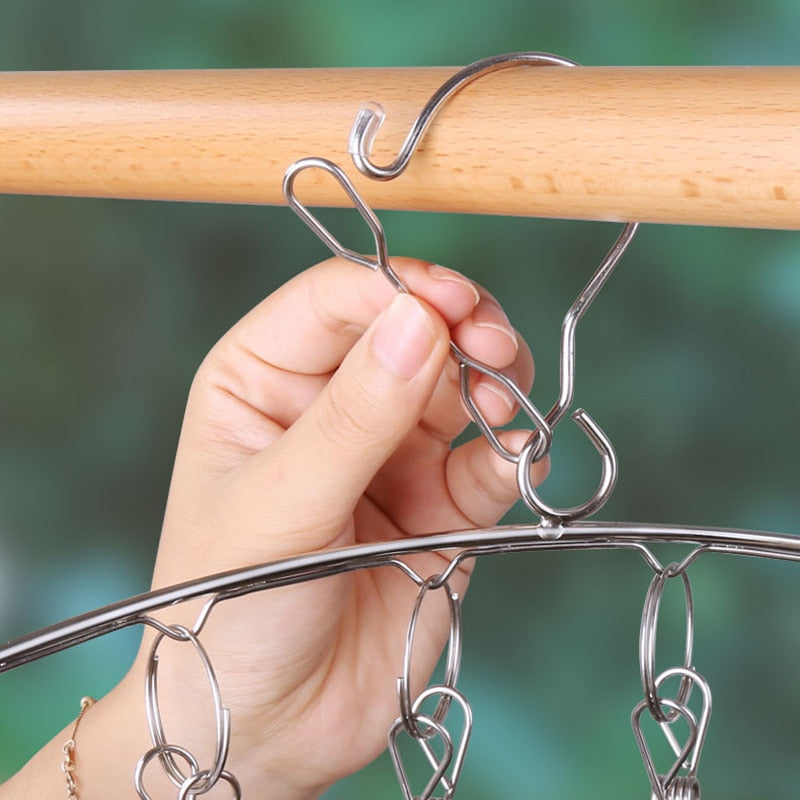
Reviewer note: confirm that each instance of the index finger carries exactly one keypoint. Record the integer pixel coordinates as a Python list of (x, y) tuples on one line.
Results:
[(309, 324), (278, 357)]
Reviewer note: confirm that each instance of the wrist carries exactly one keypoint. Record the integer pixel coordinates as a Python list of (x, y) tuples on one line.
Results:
[(118, 738), (110, 740)]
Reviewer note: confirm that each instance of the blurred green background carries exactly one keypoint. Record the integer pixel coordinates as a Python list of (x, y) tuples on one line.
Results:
[(690, 360)]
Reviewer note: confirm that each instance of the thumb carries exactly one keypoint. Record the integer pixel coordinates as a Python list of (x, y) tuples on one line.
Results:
[(327, 458)]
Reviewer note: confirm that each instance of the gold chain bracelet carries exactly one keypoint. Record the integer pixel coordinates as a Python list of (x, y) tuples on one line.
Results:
[(68, 764)]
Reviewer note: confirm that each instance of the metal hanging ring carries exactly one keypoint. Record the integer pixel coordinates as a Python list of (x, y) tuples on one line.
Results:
[(647, 644), (452, 665), (160, 752), (155, 723), (189, 790)]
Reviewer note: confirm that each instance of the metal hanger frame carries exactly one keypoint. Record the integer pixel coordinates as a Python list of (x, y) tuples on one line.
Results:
[(582, 535)]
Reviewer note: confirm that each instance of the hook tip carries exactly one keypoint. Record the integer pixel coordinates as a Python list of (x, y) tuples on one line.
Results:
[(366, 125)]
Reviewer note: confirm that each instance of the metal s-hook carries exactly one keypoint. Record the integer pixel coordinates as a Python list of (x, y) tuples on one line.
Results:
[(573, 317), (550, 515), (362, 136), (371, 116)]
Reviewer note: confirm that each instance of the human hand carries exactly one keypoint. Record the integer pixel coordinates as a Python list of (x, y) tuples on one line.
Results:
[(321, 420), (324, 418)]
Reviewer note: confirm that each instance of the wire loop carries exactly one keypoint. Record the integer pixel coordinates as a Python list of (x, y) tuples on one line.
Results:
[(160, 752), (440, 764), (647, 642), (550, 515), (452, 772), (452, 665), (673, 786), (198, 781), (695, 679), (381, 263), (662, 783)]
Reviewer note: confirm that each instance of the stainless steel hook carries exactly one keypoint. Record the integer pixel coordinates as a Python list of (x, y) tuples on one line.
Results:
[(542, 432), (566, 396), (362, 136), (554, 517), (371, 116), (573, 317)]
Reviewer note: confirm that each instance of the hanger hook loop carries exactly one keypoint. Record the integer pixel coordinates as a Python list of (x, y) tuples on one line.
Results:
[(566, 395), (380, 262), (371, 116), (554, 517)]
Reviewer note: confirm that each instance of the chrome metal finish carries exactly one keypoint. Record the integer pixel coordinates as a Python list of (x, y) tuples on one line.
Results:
[(371, 116), (380, 262), (198, 781), (608, 479), (155, 724), (582, 535), (362, 136), (452, 666), (672, 785), (661, 783), (647, 642), (539, 443), (440, 765)]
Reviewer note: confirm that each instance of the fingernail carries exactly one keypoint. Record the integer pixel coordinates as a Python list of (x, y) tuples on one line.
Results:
[(403, 339), (441, 273), (500, 323), (498, 391)]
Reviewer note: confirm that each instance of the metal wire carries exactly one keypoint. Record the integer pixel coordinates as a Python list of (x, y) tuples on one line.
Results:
[(371, 116), (583, 535), (540, 440)]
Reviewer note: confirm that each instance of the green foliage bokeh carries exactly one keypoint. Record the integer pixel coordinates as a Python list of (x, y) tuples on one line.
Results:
[(690, 360)]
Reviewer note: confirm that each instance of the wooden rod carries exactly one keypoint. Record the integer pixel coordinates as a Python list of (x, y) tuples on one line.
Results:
[(710, 146)]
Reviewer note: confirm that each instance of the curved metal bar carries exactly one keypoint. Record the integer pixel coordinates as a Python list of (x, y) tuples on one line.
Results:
[(509, 539), (566, 393), (370, 117)]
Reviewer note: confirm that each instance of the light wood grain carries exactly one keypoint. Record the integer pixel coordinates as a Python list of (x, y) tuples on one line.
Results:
[(711, 146)]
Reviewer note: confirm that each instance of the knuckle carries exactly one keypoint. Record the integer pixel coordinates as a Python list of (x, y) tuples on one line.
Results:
[(347, 416)]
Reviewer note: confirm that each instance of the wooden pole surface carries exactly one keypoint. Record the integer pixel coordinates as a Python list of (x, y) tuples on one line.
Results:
[(710, 146)]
